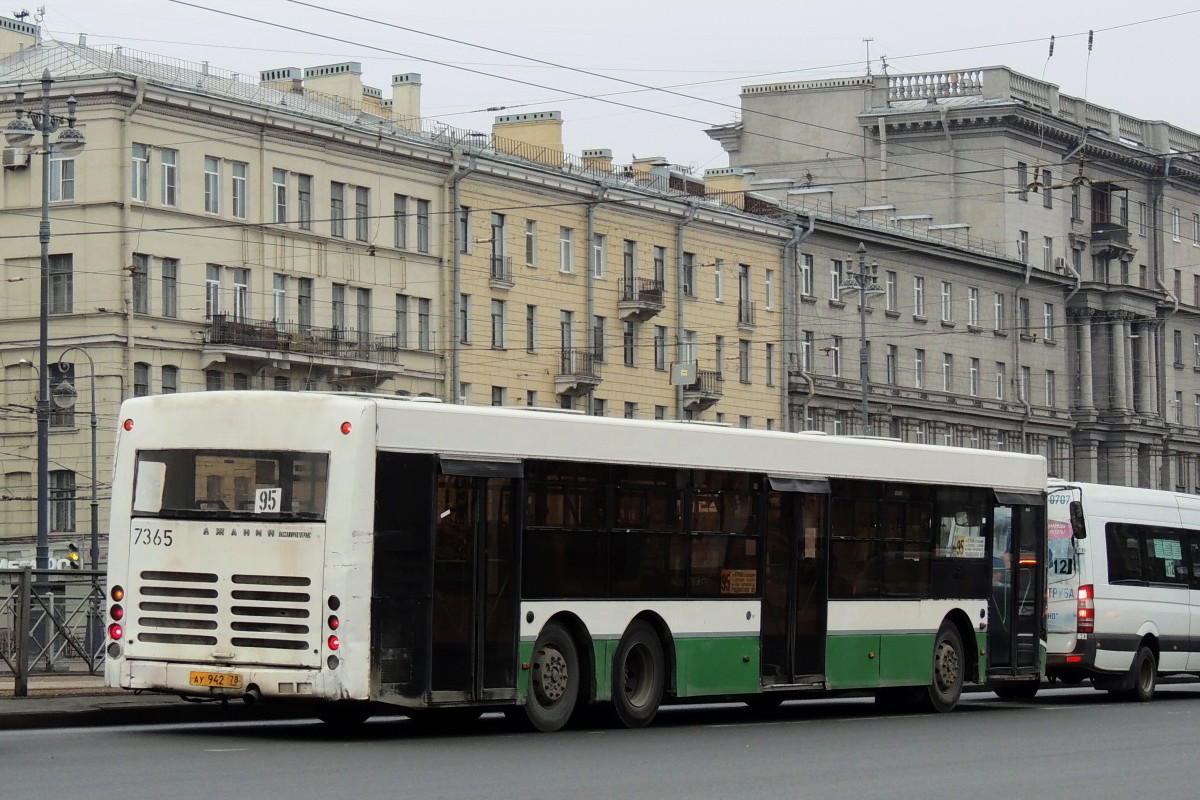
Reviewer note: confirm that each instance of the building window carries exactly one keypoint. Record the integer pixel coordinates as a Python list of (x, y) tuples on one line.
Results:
[(947, 372), (1142, 218), (598, 248), (689, 274), (362, 213), (947, 301), (61, 373), (400, 221), (238, 170), (718, 279), (140, 277), (1047, 253), (806, 274), (769, 289), (599, 407), (1047, 190), (919, 369), (1048, 322), (241, 382), (531, 242), (973, 306), (598, 325), (998, 311), (530, 328), (279, 297), (140, 172), (170, 177), (918, 296), (62, 500), (62, 178), (660, 347), (1023, 246), (719, 355), (422, 226), (304, 309), (566, 249), (1000, 380), (890, 366), (973, 383), (770, 364), (337, 308), (835, 279), (463, 231), (241, 294), (835, 355), (424, 332), (170, 287), (628, 343), (212, 185), (630, 410), (1051, 389), (141, 379), (660, 265), (279, 192), (497, 395), (62, 283), (304, 201), (889, 290), (337, 209), (281, 383), (1076, 202), (806, 351), (1175, 224), (464, 318), (1026, 379), (214, 380), (170, 380), (1022, 180), (401, 320), (362, 308), (498, 324)]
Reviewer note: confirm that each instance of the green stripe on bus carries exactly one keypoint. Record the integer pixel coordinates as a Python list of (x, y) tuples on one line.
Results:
[(714, 665)]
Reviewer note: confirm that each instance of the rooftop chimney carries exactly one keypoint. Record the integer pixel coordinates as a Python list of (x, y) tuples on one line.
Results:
[(406, 100), (343, 81), (728, 184), (284, 79), (598, 159), (536, 136)]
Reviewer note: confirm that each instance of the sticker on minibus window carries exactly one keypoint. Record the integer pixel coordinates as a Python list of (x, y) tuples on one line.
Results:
[(267, 501), (148, 491)]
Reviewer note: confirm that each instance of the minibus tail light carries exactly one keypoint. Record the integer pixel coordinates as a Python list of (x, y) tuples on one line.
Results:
[(1086, 615)]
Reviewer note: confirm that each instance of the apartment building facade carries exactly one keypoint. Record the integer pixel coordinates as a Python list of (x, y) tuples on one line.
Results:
[(1071, 189)]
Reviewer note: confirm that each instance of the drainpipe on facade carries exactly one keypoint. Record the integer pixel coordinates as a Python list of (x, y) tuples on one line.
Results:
[(687, 220), (125, 182), (591, 283), (458, 172), (790, 330), (1160, 337)]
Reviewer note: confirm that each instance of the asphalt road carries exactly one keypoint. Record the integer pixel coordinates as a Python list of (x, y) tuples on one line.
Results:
[(1067, 743)]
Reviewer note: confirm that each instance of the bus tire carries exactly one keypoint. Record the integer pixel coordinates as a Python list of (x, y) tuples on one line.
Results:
[(638, 675), (1144, 675), (553, 679), (946, 686)]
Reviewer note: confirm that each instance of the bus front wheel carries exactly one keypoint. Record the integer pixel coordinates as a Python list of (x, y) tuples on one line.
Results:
[(948, 666), (639, 675), (553, 679)]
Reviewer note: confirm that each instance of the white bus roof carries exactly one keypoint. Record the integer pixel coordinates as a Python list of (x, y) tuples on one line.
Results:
[(269, 419)]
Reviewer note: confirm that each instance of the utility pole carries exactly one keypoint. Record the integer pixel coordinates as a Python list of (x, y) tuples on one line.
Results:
[(865, 284)]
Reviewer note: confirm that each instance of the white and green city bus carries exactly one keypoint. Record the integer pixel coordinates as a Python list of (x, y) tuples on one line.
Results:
[(365, 553)]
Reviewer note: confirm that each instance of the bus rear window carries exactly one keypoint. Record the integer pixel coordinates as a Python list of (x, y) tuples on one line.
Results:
[(231, 484)]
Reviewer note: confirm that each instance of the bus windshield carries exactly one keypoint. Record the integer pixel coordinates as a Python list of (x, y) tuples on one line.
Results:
[(231, 484)]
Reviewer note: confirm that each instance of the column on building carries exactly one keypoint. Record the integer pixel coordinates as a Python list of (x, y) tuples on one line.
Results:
[(1119, 368), (1086, 392)]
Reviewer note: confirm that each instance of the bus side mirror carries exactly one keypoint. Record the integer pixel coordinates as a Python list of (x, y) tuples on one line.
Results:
[(1077, 527)]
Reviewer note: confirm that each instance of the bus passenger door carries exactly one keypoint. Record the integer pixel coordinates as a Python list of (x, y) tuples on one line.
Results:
[(473, 632), (1018, 601), (793, 616)]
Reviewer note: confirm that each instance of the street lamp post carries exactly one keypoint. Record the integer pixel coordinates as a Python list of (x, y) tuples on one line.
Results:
[(68, 395), (864, 283), (20, 133)]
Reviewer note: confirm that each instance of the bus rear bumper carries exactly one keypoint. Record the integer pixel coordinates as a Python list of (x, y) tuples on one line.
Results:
[(227, 682)]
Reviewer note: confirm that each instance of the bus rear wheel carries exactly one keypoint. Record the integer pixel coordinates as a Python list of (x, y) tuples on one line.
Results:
[(553, 679), (1143, 677), (945, 688), (638, 676)]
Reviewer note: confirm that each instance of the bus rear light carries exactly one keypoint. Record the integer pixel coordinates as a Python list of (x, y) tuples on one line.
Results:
[(1074, 659), (334, 622), (1086, 615), (333, 643), (334, 602), (116, 612), (115, 631), (117, 593), (346, 428), (127, 424)]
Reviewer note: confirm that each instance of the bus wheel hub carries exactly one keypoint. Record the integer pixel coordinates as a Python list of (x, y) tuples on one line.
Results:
[(550, 675)]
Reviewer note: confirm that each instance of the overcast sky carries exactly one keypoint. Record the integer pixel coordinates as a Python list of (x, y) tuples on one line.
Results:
[(704, 51)]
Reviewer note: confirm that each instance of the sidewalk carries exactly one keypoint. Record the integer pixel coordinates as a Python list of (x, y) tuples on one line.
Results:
[(63, 701)]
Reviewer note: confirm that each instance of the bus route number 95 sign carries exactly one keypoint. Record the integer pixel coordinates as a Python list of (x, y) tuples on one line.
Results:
[(267, 501)]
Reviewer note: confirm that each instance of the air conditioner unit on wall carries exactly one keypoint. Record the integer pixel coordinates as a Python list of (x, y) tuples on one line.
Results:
[(14, 157), (1060, 264)]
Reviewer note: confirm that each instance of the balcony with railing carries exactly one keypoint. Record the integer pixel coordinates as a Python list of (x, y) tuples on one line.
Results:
[(275, 339), (500, 273), (579, 372), (1111, 240), (704, 392), (641, 299)]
